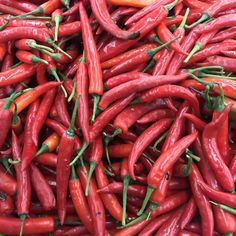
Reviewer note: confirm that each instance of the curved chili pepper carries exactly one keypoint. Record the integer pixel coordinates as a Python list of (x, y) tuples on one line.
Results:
[(95, 204), (109, 199), (213, 10), (7, 182), (226, 62), (228, 33), (29, 148), (82, 90), (6, 204), (79, 201), (231, 54), (33, 225), (171, 90), (212, 153), (144, 140), (42, 189), (101, 13), (146, 9), (172, 225), (23, 183), (10, 10), (195, 4), (106, 116), (23, 5), (201, 201), (199, 124), (68, 29), (66, 150), (190, 211), (129, 115), (92, 57), (28, 97), (48, 159), (156, 115), (137, 85), (42, 114), (49, 144), (120, 150)]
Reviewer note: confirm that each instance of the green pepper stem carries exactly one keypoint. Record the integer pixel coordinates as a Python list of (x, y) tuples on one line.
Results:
[(224, 207), (210, 84), (57, 20), (36, 59), (91, 170), (96, 99), (150, 65), (80, 153), (205, 68), (72, 123), (149, 192), (170, 6), (126, 181), (163, 136), (153, 51), (72, 92), (183, 23), (6, 165), (22, 218), (44, 148), (34, 45), (202, 74), (196, 48), (189, 154), (156, 39), (64, 40), (66, 3), (73, 173), (186, 170), (55, 75), (205, 16)]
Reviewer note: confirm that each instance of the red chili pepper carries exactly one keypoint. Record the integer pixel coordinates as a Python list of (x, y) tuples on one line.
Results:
[(199, 124), (60, 129), (141, 13), (109, 199), (232, 167), (10, 10), (144, 140), (7, 182), (33, 225), (29, 58), (202, 202), (213, 10), (106, 116), (22, 5), (42, 114), (171, 90), (3, 50), (29, 148), (68, 29), (130, 115), (66, 150), (117, 187), (42, 189), (101, 13), (212, 153), (120, 150), (172, 225), (23, 182), (195, 4), (6, 205), (61, 107), (156, 115), (228, 33), (137, 85), (82, 90), (95, 204), (79, 201), (48, 159), (92, 57), (28, 97), (190, 211), (144, 25)]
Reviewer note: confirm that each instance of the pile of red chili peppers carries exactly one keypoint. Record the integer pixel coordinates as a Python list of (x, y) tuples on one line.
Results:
[(117, 117)]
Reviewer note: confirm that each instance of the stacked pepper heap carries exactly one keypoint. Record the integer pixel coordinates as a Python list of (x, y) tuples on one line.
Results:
[(117, 117)]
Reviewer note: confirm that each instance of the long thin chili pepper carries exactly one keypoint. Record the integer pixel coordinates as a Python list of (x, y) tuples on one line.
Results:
[(28, 97), (95, 204), (29, 58), (129, 115), (92, 58), (48, 159), (29, 148), (23, 5), (79, 200), (144, 140), (137, 85), (212, 153), (42, 189), (66, 150), (101, 13), (42, 114), (23, 183), (82, 90), (110, 201)]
